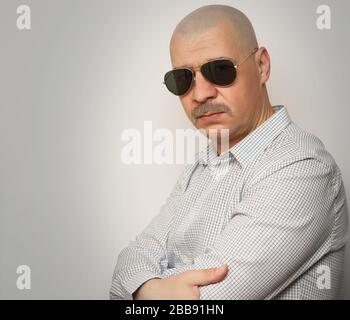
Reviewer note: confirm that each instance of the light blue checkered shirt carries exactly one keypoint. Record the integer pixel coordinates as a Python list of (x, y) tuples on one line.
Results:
[(272, 207)]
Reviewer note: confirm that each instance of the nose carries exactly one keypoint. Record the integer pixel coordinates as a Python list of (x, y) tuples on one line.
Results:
[(202, 88)]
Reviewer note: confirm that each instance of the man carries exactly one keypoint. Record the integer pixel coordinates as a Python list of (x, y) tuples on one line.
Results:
[(270, 209)]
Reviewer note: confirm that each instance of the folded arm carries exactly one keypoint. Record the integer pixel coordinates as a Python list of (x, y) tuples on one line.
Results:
[(283, 220)]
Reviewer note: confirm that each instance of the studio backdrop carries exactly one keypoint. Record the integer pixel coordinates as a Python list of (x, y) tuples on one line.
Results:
[(76, 77)]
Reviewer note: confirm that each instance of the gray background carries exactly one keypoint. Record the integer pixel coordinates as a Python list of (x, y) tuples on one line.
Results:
[(86, 71)]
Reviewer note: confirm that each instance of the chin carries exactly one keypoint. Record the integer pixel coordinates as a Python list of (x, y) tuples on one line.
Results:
[(215, 130)]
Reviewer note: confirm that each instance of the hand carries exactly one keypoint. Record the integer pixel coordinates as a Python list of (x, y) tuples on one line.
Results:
[(183, 286)]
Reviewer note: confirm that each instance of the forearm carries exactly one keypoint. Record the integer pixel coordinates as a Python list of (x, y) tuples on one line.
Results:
[(184, 286), (134, 267)]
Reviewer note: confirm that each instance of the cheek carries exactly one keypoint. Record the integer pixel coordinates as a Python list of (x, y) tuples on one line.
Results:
[(233, 97), (242, 95), (250, 88), (238, 98)]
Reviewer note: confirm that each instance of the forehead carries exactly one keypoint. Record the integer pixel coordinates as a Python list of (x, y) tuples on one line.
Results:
[(193, 50)]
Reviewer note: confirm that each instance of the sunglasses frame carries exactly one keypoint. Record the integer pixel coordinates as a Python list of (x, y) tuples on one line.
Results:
[(198, 68)]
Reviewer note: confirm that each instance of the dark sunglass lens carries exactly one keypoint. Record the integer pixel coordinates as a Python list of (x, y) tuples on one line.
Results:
[(219, 72), (178, 81)]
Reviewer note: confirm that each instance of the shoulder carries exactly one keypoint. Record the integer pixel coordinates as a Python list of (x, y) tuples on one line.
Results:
[(297, 143), (295, 152)]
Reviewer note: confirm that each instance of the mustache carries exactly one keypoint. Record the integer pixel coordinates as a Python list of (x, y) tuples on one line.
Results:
[(209, 107)]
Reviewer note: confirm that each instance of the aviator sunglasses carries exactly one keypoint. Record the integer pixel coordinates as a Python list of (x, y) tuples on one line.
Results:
[(220, 72)]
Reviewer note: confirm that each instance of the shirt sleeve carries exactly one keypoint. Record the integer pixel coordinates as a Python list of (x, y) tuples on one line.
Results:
[(146, 256), (284, 219)]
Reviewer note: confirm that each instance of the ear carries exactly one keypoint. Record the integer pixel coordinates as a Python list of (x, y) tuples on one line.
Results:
[(263, 62)]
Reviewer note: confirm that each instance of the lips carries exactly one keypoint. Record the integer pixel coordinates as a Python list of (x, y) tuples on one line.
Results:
[(208, 114)]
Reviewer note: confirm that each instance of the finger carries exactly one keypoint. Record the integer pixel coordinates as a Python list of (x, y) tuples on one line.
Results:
[(204, 277)]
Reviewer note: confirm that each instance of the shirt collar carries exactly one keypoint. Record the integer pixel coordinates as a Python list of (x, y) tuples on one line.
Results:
[(250, 146)]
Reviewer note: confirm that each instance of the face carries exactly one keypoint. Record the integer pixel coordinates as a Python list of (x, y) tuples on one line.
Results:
[(243, 98)]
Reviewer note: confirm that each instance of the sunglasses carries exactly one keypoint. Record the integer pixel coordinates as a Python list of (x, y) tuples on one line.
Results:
[(220, 72)]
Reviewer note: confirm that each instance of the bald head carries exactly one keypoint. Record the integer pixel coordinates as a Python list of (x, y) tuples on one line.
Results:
[(210, 16)]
